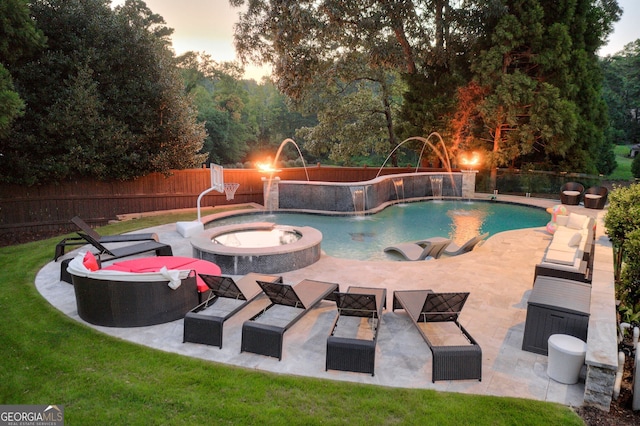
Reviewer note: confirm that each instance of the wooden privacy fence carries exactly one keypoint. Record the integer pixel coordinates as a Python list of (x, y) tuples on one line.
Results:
[(45, 210)]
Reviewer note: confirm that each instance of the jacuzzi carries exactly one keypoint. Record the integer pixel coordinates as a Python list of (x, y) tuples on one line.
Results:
[(261, 247)]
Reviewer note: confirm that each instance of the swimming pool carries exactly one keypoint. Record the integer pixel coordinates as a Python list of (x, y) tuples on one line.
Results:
[(365, 237)]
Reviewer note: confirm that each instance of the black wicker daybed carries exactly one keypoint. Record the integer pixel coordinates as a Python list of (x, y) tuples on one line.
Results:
[(456, 355), (351, 346), (204, 323), (129, 299), (264, 333)]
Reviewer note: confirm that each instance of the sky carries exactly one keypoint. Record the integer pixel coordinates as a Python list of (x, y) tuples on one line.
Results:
[(207, 26)]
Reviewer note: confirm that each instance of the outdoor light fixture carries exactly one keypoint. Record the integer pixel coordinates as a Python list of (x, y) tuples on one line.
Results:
[(267, 168), (469, 160)]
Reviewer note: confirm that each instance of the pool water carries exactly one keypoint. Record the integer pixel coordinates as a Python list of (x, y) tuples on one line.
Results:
[(257, 238), (365, 237)]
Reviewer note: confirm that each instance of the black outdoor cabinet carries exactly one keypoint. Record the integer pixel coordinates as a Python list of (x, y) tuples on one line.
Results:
[(556, 306)]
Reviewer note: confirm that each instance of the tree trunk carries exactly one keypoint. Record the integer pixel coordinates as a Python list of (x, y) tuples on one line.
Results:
[(393, 141), (496, 148)]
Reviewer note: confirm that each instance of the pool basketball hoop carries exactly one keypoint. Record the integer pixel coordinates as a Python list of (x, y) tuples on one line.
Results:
[(188, 229), (230, 190)]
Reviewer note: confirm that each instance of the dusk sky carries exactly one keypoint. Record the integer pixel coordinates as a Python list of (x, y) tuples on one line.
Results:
[(207, 26)]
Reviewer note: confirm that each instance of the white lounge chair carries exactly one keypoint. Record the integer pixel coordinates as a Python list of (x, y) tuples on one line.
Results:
[(431, 248)]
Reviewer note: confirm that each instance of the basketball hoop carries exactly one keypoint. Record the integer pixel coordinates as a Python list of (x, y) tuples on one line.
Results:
[(230, 189)]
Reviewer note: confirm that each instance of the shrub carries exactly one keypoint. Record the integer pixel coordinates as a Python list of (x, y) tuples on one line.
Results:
[(635, 167), (629, 286), (622, 222)]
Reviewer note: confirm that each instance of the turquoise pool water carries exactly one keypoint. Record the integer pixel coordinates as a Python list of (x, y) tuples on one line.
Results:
[(365, 237)]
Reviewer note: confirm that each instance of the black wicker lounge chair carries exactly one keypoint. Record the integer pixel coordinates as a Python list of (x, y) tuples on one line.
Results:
[(571, 193), (456, 355), (596, 197), (204, 323), (88, 230), (264, 333), (431, 248), (349, 347)]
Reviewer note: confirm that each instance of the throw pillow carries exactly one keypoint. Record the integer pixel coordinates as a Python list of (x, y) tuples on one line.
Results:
[(576, 221), (90, 262), (575, 240)]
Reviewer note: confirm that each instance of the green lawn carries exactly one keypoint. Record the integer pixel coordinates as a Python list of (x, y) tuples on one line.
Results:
[(48, 358), (623, 171)]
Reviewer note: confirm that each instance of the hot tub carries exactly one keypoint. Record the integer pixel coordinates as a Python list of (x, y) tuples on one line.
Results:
[(261, 247)]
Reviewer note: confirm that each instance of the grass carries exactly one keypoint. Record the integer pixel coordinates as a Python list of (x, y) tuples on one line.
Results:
[(48, 358), (623, 171)]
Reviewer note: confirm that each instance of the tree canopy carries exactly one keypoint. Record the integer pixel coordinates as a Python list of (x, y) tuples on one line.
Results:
[(19, 38), (522, 75), (104, 98), (622, 93)]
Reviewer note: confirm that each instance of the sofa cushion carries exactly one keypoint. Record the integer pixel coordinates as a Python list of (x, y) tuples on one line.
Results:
[(76, 267), (577, 221), (561, 257), (153, 264)]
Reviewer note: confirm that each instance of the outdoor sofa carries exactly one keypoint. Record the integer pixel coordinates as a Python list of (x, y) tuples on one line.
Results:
[(570, 253)]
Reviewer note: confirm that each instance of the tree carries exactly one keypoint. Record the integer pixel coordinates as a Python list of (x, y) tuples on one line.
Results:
[(535, 93), (19, 38), (311, 46), (220, 98), (105, 98), (242, 117), (356, 110), (621, 91), (535, 61)]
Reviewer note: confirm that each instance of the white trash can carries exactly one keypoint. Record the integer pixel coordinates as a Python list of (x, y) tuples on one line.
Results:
[(566, 358)]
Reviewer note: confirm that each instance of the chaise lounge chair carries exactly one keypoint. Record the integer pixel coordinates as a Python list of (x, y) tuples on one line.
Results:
[(454, 250), (88, 230), (456, 355), (430, 248), (204, 323), (351, 346), (264, 333)]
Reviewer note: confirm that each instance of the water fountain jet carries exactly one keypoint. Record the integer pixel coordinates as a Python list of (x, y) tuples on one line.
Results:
[(444, 159), (270, 198)]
